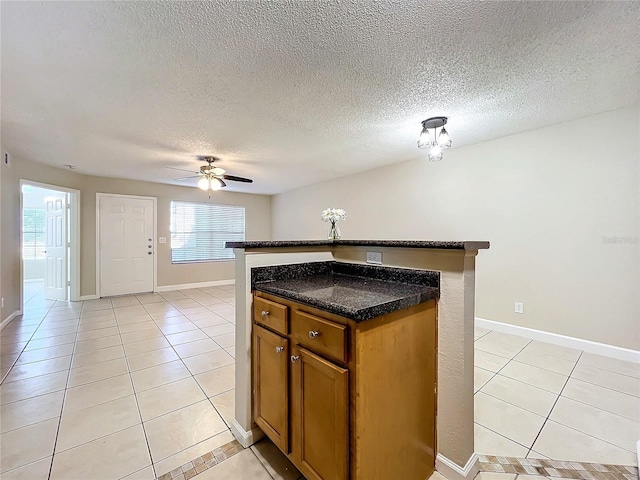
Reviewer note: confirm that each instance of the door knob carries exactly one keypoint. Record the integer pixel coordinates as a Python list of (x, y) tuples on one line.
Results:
[(279, 349), (295, 358)]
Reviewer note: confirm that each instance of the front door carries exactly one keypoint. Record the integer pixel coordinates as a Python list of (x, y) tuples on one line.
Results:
[(55, 273), (126, 245)]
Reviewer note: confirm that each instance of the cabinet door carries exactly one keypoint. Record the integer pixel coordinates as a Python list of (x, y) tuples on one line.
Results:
[(319, 416), (271, 385)]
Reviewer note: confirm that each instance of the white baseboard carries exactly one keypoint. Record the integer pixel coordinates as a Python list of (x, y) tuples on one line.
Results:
[(7, 320), (452, 471), (89, 297), (245, 438), (603, 349), (214, 283)]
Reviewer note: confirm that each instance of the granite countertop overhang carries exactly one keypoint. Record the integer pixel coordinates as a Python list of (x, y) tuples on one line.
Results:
[(355, 291), (445, 245)]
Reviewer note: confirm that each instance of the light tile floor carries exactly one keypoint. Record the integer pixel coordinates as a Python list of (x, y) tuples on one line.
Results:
[(123, 387), (534, 399), (136, 386)]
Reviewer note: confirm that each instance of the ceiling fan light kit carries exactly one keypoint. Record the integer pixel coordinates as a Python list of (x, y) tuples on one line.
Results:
[(211, 178), (435, 143)]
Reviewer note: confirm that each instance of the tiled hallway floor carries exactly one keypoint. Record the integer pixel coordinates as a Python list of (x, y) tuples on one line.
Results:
[(124, 387), (534, 399)]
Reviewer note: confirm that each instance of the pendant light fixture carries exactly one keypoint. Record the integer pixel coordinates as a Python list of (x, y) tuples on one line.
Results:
[(435, 142)]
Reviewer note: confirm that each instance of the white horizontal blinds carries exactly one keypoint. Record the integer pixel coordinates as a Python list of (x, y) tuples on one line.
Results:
[(33, 234), (199, 231)]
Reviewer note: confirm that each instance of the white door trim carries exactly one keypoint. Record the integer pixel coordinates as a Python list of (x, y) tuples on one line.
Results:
[(155, 236), (74, 237)]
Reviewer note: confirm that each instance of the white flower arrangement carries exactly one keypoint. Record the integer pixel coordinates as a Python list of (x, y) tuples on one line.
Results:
[(333, 214)]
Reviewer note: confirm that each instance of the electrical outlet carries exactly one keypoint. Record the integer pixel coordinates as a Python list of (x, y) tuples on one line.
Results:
[(519, 308), (374, 257), (162, 240)]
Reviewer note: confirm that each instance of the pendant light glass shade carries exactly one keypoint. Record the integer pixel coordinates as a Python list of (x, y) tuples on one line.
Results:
[(424, 141), (443, 139), (203, 183), (216, 184)]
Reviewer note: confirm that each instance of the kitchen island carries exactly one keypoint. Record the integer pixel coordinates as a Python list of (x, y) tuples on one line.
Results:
[(455, 261)]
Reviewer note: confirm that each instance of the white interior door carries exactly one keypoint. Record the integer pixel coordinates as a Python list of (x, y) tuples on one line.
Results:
[(126, 245), (55, 272)]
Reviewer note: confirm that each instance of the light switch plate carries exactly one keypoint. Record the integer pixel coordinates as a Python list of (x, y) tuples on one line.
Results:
[(162, 240), (374, 257)]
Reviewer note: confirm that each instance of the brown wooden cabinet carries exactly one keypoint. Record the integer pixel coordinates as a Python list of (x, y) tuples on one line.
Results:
[(271, 385), (347, 400)]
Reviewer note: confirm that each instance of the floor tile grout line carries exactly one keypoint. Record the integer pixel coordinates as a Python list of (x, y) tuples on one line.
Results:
[(502, 368), (611, 371), (135, 396), (181, 360), (190, 373), (13, 364), (77, 321), (554, 405), (64, 397), (503, 436), (604, 410)]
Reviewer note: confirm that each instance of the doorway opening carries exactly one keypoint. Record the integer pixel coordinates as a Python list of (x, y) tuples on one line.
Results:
[(49, 244)]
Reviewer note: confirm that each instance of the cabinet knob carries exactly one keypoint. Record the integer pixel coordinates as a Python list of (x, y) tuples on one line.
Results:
[(264, 313), (313, 334), (295, 358), (279, 349)]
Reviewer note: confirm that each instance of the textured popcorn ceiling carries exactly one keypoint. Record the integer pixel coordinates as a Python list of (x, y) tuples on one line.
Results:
[(292, 93)]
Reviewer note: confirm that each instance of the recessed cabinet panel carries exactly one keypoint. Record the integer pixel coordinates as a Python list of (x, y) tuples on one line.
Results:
[(320, 335), (270, 314), (320, 392), (271, 385)]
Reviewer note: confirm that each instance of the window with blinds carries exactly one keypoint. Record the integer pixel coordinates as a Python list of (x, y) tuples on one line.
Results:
[(33, 233), (199, 231)]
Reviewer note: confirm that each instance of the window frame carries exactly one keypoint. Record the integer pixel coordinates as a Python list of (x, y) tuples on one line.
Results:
[(212, 233)]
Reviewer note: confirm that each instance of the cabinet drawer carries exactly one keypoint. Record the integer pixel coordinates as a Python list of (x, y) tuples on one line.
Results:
[(270, 314), (320, 335)]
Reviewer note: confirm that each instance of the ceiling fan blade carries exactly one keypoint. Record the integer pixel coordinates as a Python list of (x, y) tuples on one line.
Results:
[(185, 178), (237, 179), (181, 169)]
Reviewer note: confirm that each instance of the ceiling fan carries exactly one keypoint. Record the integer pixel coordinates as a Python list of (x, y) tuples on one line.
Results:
[(211, 177)]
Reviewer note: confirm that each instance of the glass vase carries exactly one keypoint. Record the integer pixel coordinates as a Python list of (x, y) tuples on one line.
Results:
[(334, 232)]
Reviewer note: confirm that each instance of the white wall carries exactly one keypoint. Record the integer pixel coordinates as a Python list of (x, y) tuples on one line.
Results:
[(257, 211), (560, 206)]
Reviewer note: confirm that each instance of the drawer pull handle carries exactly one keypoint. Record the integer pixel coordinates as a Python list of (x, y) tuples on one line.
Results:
[(295, 358), (264, 313), (313, 334), (279, 349)]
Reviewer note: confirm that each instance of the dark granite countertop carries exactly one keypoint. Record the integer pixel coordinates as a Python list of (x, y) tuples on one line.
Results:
[(446, 245), (355, 291)]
